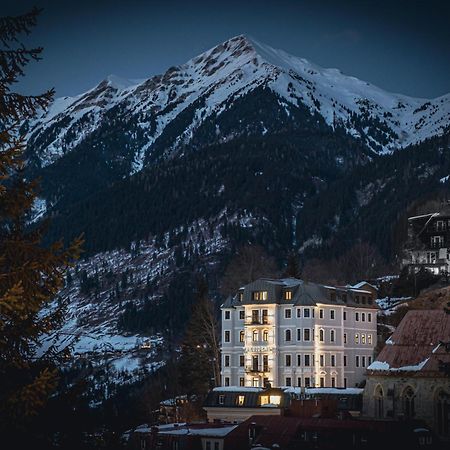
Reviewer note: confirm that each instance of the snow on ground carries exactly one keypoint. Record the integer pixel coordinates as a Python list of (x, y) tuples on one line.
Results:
[(389, 304)]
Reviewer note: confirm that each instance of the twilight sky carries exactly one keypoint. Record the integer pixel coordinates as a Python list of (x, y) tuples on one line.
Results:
[(400, 45)]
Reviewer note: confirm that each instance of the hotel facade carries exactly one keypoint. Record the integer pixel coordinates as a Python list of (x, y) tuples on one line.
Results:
[(287, 332)]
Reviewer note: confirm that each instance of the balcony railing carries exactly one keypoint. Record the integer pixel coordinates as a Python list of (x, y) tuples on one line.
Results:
[(258, 321), (253, 369)]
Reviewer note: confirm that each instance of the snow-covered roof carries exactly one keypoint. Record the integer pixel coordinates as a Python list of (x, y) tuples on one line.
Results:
[(415, 344)]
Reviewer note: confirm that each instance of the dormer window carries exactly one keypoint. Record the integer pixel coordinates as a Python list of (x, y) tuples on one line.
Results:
[(260, 295), (357, 299), (333, 296), (344, 298), (241, 296), (288, 295)]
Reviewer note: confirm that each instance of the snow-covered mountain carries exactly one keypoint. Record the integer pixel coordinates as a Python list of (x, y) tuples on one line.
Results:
[(179, 102)]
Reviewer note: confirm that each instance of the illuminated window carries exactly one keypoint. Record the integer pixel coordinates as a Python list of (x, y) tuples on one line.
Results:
[(369, 339), (255, 382), (241, 336), (264, 399), (241, 399), (275, 399), (288, 295), (265, 336), (260, 295), (356, 338), (363, 338), (255, 335), (241, 296)]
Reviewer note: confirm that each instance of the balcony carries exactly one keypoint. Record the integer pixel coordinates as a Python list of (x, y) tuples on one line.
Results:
[(254, 369), (257, 321)]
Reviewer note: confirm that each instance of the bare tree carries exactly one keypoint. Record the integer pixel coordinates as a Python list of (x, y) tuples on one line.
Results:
[(248, 264)]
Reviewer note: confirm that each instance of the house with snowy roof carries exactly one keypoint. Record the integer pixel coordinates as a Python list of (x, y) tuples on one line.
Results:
[(410, 379)]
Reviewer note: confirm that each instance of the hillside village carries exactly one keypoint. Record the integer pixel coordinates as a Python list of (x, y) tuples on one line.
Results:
[(242, 251), (313, 363)]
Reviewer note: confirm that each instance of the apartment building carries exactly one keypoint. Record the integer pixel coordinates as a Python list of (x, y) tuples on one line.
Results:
[(288, 332)]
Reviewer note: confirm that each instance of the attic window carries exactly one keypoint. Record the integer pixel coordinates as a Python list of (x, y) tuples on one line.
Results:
[(333, 296), (288, 295), (344, 298), (260, 295), (357, 299), (241, 296)]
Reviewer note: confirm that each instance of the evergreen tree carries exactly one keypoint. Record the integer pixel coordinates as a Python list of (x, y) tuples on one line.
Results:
[(30, 274), (293, 266)]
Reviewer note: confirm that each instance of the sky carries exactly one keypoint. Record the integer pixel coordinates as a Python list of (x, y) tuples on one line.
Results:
[(399, 45)]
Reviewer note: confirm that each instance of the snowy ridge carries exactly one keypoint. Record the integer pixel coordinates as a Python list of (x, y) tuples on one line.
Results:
[(213, 80)]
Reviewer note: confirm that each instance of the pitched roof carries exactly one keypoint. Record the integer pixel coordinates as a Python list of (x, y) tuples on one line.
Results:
[(304, 293), (416, 345)]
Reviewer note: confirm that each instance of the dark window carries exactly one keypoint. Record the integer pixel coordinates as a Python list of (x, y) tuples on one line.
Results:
[(227, 315), (287, 335), (288, 360), (242, 315)]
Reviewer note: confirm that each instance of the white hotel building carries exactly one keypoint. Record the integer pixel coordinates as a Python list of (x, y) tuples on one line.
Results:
[(288, 332)]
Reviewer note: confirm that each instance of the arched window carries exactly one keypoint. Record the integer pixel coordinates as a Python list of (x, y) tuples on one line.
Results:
[(379, 402), (408, 402), (442, 413), (287, 335), (265, 335), (321, 335), (255, 335), (241, 336)]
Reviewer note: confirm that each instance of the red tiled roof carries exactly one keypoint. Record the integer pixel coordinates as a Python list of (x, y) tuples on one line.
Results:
[(415, 344)]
